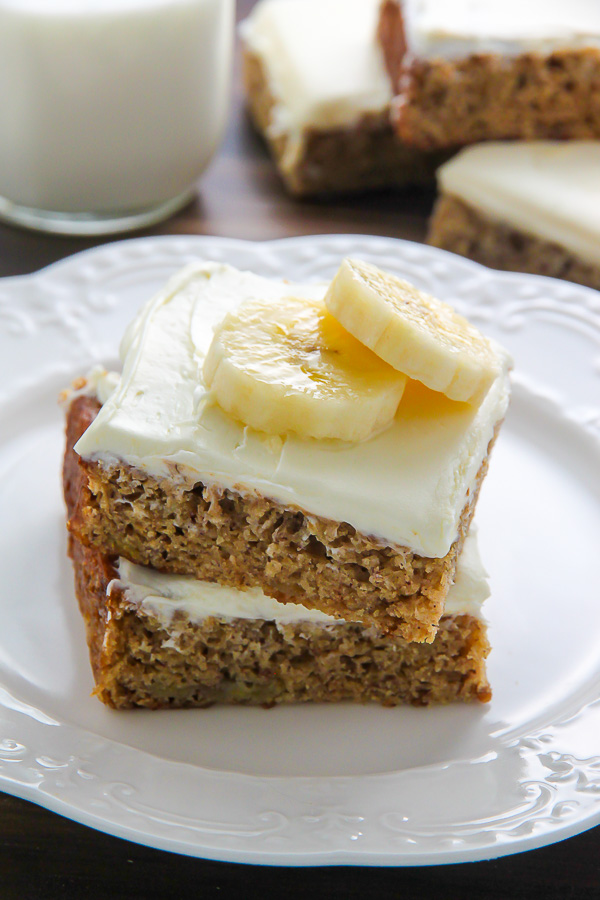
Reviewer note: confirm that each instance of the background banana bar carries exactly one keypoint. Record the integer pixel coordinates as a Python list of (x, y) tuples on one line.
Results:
[(319, 94), (523, 207)]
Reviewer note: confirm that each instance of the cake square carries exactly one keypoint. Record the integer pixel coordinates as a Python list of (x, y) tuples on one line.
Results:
[(367, 532), (318, 92), (523, 207), (470, 70)]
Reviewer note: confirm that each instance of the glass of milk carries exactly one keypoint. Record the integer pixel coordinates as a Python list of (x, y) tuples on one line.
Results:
[(109, 109)]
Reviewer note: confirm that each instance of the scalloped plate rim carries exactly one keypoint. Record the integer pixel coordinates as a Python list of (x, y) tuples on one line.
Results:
[(301, 857)]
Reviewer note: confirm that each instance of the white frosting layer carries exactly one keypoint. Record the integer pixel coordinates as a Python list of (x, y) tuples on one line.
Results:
[(322, 60), (161, 595), (453, 29), (470, 588), (407, 485), (545, 188)]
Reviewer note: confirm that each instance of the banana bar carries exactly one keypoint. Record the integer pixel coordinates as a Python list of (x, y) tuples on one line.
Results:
[(365, 531), (523, 207), (158, 640), (318, 92), (465, 71)]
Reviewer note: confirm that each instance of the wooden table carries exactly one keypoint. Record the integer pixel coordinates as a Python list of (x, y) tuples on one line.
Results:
[(45, 856)]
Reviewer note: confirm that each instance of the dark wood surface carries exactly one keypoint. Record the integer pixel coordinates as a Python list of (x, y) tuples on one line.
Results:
[(45, 856)]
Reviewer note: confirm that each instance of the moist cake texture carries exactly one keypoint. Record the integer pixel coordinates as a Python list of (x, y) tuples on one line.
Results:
[(174, 483), (467, 71), (138, 662), (523, 207), (318, 92), (171, 641)]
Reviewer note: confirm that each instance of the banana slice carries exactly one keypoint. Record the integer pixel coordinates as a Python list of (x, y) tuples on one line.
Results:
[(291, 367), (415, 333)]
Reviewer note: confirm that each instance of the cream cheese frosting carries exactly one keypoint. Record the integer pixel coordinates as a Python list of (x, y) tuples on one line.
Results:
[(322, 60), (163, 596), (453, 29), (407, 485), (549, 189), (470, 589)]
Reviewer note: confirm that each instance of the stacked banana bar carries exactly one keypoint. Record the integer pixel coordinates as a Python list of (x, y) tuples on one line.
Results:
[(269, 504)]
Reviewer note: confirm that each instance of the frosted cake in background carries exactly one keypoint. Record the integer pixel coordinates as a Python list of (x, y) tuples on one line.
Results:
[(474, 70), (318, 91), (524, 207)]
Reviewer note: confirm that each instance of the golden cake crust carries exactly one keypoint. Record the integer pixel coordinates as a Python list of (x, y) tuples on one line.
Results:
[(363, 157)]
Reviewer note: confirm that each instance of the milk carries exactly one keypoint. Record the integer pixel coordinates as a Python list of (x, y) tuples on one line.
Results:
[(110, 107)]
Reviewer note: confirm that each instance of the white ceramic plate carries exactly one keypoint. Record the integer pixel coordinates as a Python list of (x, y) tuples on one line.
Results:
[(311, 785)]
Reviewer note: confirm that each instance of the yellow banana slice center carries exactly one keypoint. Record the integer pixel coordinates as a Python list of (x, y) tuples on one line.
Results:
[(291, 367)]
